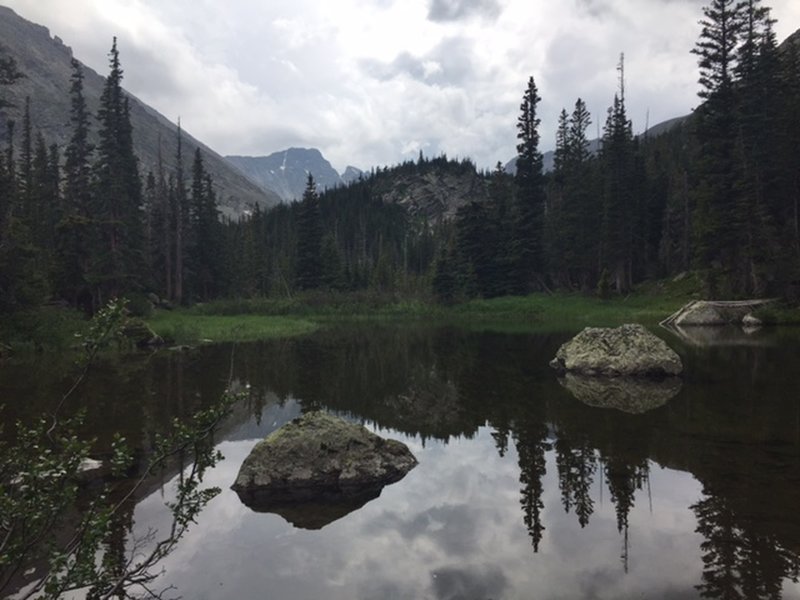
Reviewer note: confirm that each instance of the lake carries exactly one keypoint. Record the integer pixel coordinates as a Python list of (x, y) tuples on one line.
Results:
[(527, 486)]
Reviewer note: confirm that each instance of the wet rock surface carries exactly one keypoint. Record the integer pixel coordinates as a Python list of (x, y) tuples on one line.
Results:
[(629, 350), (323, 460)]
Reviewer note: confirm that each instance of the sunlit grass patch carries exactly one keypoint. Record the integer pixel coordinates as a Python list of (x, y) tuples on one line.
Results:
[(184, 327)]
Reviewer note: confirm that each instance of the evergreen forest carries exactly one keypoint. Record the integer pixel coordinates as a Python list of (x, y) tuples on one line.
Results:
[(717, 194)]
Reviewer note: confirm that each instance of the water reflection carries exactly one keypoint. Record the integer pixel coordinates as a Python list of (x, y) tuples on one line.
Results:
[(521, 487), (627, 394)]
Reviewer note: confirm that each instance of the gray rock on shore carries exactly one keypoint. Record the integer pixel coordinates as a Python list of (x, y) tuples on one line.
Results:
[(319, 457), (629, 350)]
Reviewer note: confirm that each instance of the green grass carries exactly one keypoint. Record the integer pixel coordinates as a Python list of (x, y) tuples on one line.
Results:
[(560, 311), (534, 312), (185, 327), (52, 328)]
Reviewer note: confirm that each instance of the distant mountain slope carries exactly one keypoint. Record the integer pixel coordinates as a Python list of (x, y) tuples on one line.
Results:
[(45, 61), (286, 172), (351, 174)]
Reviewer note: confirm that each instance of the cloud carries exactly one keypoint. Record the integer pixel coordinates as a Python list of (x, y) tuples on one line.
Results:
[(453, 583), (456, 10), (450, 63), (370, 82)]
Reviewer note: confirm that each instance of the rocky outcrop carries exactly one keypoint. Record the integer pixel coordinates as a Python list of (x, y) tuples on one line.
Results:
[(634, 395), (629, 350), (713, 313), (433, 193), (321, 459)]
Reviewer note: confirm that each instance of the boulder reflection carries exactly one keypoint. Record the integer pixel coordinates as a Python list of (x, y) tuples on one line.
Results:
[(634, 395)]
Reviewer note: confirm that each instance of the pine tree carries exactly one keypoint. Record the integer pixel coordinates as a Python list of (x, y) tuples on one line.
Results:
[(529, 206), (715, 236), (117, 255), (332, 268), (73, 229), (760, 179), (22, 284), (204, 252), (445, 283), (619, 192), (500, 278), (584, 207), (308, 269), (571, 220), (180, 221)]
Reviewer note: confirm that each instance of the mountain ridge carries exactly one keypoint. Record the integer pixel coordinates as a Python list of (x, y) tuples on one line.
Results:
[(45, 62), (286, 171)]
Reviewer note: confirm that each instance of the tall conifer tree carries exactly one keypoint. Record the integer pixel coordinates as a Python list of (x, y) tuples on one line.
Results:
[(529, 207), (715, 235), (308, 271), (73, 229), (117, 194), (619, 192)]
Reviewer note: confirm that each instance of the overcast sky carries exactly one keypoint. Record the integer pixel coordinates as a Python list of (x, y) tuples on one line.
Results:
[(371, 82)]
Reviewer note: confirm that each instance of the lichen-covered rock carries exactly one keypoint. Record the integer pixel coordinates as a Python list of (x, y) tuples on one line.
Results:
[(626, 350), (320, 456), (633, 395)]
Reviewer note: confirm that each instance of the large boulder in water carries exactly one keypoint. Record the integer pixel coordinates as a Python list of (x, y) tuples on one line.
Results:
[(319, 458), (626, 350)]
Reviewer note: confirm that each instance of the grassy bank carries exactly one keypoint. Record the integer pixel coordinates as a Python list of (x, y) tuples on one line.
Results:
[(241, 317), (186, 326), (264, 318)]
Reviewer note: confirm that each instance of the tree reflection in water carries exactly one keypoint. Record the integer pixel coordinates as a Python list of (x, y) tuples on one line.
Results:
[(732, 426)]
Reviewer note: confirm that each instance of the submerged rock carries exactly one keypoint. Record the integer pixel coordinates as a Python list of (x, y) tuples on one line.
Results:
[(320, 459), (629, 350), (633, 395)]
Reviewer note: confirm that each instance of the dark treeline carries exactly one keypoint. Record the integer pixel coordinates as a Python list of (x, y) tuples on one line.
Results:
[(718, 194), (82, 228)]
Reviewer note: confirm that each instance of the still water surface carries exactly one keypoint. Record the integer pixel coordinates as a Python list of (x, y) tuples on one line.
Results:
[(522, 490)]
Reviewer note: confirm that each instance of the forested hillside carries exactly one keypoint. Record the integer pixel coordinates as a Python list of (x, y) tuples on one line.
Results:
[(46, 63), (718, 194)]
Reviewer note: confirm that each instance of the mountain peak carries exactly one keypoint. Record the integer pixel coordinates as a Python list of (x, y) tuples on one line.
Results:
[(285, 172)]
